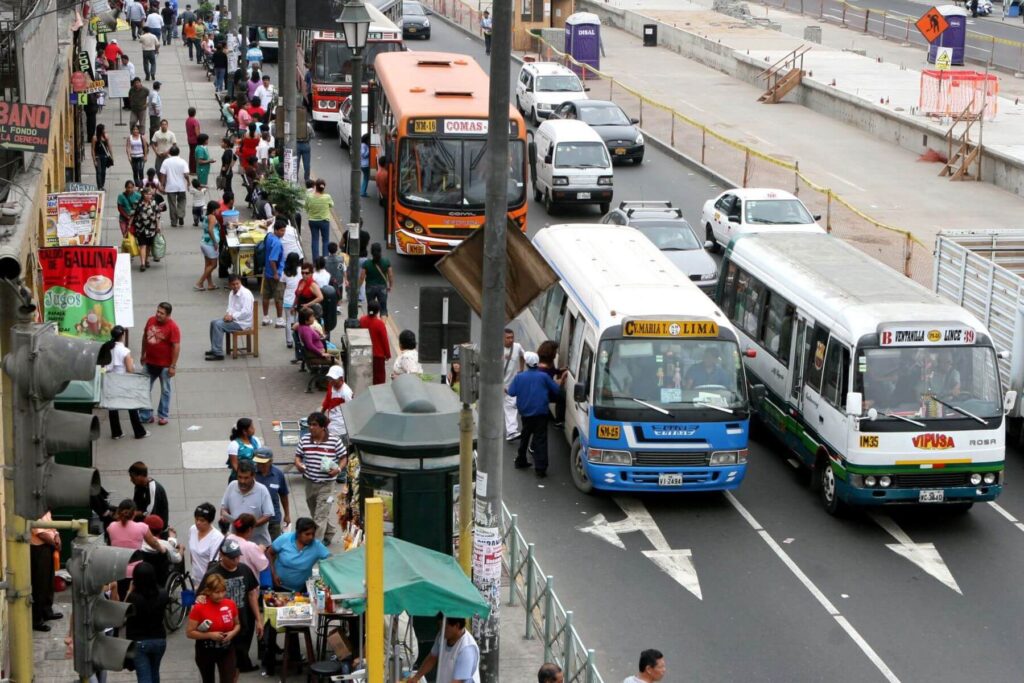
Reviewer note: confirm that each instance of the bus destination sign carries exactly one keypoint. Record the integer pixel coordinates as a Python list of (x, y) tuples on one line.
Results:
[(669, 328), (913, 335), (454, 127)]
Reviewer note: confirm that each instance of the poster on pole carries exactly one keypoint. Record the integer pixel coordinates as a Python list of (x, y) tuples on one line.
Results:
[(291, 173), (118, 83), (78, 290), (124, 312), (73, 219)]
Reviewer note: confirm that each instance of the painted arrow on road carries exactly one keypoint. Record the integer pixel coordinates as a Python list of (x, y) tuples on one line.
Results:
[(678, 564), (924, 555)]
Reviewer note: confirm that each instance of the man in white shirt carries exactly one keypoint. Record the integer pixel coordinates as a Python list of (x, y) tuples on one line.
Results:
[(174, 178), (652, 668), (513, 362), (156, 111), (161, 142), (264, 146), (455, 654), (237, 318), (150, 47), (154, 23), (265, 92)]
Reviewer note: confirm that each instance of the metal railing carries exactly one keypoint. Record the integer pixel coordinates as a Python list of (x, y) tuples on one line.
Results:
[(545, 614)]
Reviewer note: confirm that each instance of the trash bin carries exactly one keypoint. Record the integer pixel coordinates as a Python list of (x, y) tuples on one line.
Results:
[(81, 396), (650, 35), (583, 42), (953, 37)]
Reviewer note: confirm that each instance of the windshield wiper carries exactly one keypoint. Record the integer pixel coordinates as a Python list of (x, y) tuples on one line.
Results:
[(905, 419), (651, 406), (958, 409), (702, 404)]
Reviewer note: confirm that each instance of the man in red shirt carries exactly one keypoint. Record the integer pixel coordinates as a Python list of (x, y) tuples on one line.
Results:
[(113, 54), (192, 130), (161, 344), (378, 339)]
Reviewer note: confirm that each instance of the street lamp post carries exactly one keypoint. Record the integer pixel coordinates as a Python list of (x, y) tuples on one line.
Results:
[(355, 25)]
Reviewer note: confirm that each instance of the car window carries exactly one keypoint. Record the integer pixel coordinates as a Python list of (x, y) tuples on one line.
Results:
[(603, 116), (725, 203), (674, 236)]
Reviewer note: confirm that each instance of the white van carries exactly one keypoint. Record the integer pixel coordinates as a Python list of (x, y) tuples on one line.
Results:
[(542, 86), (569, 164)]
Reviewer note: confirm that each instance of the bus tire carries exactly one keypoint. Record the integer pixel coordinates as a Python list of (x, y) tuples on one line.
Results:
[(709, 235), (827, 486), (578, 468)]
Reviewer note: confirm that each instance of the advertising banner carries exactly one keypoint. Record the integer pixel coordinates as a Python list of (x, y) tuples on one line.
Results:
[(73, 219), (78, 290), (24, 127)]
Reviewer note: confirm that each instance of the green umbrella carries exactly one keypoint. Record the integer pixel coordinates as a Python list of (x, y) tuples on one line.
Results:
[(417, 580)]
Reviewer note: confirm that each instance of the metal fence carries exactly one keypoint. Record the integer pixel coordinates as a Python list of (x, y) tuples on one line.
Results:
[(545, 615)]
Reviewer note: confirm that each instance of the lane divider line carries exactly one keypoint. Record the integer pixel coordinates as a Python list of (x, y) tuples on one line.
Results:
[(1005, 513), (855, 636)]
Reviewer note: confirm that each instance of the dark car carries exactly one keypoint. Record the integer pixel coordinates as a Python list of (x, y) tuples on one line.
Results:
[(664, 225), (619, 132), (415, 21)]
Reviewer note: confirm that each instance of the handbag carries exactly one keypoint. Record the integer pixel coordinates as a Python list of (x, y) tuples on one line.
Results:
[(159, 246), (109, 159), (130, 245), (220, 182), (128, 391)]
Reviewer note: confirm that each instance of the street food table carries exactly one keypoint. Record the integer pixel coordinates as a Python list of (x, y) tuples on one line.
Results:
[(242, 240)]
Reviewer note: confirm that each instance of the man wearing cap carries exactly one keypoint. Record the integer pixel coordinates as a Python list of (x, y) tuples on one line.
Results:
[(273, 478), (243, 589), (338, 394), (533, 390), (244, 494)]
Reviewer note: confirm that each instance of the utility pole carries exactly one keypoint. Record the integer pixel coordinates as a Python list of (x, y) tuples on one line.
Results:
[(286, 56), (491, 432)]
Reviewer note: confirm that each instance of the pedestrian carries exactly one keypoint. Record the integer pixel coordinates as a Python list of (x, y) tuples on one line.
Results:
[(126, 203), (138, 103), (253, 555), (209, 246), (263, 148), (174, 178), (454, 376), (102, 157), (150, 47), (43, 543), (156, 112), (148, 494), (162, 139), (198, 199), (113, 54), (188, 33), (455, 654), (167, 14), (307, 291), (408, 360), (136, 15), (128, 66), (512, 364), (321, 276), (239, 316), (120, 364), (533, 390), (125, 532), (227, 163), (100, 65), (227, 204), (245, 495), (242, 445), (322, 459), (487, 27), (264, 93), (318, 215), (215, 651), (220, 68), (378, 277), (161, 344), (145, 623), (204, 541), (273, 270), (154, 22), (192, 131), (548, 352), (338, 394), (248, 142), (303, 135), (550, 673), (335, 266), (273, 478), (652, 668), (146, 223), (378, 340), (308, 338), (364, 162)]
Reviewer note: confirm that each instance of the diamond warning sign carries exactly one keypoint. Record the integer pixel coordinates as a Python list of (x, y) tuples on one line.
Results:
[(932, 24)]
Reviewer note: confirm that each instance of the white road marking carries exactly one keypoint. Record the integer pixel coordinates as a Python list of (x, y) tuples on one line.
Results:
[(1010, 518), (844, 180), (678, 564), (924, 555), (864, 646)]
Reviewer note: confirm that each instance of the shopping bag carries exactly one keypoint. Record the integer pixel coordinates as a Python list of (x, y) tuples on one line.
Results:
[(127, 391), (129, 245), (159, 246)]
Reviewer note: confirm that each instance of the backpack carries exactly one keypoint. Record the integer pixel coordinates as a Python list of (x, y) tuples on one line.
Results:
[(260, 256)]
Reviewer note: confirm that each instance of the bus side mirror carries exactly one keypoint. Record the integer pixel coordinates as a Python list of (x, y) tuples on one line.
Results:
[(855, 403), (1009, 401), (548, 157), (532, 151), (579, 393)]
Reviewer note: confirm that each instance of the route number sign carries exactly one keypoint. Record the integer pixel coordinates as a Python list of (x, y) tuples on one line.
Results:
[(932, 25)]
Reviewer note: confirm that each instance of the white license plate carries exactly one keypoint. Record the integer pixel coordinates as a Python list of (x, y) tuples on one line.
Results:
[(675, 480), (931, 496), (582, 195)]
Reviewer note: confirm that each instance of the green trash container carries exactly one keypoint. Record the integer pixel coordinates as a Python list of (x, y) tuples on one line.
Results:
[(81, 396)]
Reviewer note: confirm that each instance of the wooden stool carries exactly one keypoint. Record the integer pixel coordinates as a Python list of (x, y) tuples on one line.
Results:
[(295, 632), (251, 336)]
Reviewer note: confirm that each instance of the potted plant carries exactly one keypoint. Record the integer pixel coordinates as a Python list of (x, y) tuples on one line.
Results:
[(287, 198)]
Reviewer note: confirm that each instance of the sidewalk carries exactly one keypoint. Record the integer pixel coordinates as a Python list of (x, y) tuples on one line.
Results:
[(187, 456)]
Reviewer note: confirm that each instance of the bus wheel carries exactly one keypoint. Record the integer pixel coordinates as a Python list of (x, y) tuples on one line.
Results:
[(828, 487), (578, 467)]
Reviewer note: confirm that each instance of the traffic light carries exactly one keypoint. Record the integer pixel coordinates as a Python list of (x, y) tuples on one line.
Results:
[(92, 566), (40, 364)]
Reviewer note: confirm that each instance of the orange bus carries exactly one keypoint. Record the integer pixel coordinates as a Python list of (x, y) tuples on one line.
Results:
[(431, 114)]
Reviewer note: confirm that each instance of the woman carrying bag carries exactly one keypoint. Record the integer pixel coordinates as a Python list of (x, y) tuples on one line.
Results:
[(147, 225), (121, 364), (102, 158)]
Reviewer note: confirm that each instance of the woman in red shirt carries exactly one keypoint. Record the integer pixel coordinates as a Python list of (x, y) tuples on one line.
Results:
[(308, 291), (213, 624), (247, 145)]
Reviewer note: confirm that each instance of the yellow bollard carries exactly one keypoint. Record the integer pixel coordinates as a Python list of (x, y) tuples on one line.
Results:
[(375, 590)]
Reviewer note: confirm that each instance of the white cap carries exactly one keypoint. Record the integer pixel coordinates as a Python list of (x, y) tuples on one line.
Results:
[(531, 359), (336, 372), (114, 41)]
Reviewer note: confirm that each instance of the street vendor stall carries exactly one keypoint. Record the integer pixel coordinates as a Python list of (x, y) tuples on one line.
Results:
[(242, 239)]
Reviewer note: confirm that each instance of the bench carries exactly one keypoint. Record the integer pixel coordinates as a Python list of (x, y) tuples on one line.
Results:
[(316, 366), (251, 336)]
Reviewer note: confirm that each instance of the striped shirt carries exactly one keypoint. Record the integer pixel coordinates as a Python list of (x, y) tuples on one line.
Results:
[(312, 454)]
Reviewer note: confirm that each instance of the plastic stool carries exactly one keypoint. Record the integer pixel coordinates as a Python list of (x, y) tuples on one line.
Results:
[(322, 671)]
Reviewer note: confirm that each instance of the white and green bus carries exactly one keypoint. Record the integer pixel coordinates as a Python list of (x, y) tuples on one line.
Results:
[(888, 392)]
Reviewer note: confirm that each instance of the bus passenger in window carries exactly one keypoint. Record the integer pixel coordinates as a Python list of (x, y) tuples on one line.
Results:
[(945, 379), (709, 372)]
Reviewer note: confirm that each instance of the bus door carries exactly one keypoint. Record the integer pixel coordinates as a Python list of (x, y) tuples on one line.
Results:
[(798, 360), (826, 381)]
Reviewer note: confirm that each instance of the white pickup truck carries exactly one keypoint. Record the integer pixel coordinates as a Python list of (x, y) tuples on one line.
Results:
[(983, 271)]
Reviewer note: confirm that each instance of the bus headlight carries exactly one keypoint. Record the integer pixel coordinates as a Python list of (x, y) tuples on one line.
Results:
[(989, 478), (975, 479), (728, 457), (560, 180), (885, 481), (604, 180), (607, 457)]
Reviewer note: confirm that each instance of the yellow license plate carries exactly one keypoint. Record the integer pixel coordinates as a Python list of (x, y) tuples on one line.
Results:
[(620, 150), (412, 30), (417, 249)]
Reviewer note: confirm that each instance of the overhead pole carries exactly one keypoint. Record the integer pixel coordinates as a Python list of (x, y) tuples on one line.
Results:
[(286, 55), (490, 440)]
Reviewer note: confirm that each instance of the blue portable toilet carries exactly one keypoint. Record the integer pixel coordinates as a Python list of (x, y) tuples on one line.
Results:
[(955, 36), (583, 41)]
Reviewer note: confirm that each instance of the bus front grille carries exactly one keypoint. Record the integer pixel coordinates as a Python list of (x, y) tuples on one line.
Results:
[(932, 480), (670, 458), (450, 232)]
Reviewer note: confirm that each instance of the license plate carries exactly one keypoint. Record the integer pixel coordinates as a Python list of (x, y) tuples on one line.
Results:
[(582, 195), (620, 150), (675, 480), (931, 496), (417, 249), (412, 30)]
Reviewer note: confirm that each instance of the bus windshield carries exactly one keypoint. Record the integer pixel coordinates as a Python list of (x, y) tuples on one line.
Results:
[(672, 375), (452, 173), (332, 60), (954, 382)]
